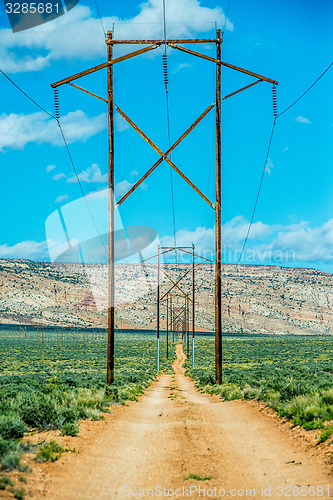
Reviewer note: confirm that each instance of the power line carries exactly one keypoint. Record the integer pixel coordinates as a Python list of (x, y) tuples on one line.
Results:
[(26, 95), (258, 194), (66, 145), (307, 90), (100, 18), (268, 150), (80, 185), (226, 18)]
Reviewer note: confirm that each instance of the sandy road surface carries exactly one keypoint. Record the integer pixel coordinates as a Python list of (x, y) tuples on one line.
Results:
[(172, 432)]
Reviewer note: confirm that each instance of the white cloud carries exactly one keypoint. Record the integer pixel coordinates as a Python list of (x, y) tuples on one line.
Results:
[(294, 244), (57, 177), (268, 167), (16, 130), (32, 250), (62, 198), (302, 119), (78, 35), (272, 244), (120, 123), (134, 173), (99, 194), (310, 244), (121, 188), (49, 168), (92, 174), (285, 149), (182, 66)]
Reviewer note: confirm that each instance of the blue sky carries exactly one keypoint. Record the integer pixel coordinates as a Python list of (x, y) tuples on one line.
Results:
[(289, 42)]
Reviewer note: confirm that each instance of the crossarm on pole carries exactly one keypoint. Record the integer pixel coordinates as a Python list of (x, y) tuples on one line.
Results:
[(146, 42)]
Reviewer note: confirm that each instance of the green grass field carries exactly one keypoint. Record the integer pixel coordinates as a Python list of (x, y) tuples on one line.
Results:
[(292, 374)]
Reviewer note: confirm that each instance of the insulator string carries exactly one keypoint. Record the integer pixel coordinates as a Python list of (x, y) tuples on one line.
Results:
[(56, 103), (274, 102)]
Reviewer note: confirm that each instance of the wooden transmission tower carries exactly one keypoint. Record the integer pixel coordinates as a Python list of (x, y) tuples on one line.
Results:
[(109, 65)]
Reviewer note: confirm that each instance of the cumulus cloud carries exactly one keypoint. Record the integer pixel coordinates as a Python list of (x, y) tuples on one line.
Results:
[(32, 250), (181, 66), (268, 167), (78, 34), (57, 177), (49, 168), (310, 244), (297, 244), (92, 174), (18, 130), (121, 188), (272, 244), (62, 198), (120, 123), (302, 119)]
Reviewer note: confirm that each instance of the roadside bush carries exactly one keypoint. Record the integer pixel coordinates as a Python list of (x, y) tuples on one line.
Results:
[(11, 460), (38, 410), (327, 433), (49, 452), (328, 397), (11, 427), (69, 429)]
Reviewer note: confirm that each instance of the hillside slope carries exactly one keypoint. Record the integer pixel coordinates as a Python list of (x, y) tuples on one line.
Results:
[(256, 299)]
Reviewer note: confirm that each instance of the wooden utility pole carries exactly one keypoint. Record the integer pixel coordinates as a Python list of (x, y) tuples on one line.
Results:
[(111, 288), (187, 328), (158, 309), (218, 222), (193, 306), (167, 328)]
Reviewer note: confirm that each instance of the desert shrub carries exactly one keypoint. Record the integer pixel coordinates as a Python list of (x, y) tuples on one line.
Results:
[(326, 433), (11, 427), (38, 410), (19, 493), (69, 429), (251, 392), (230, 391), (49, 452), (327, 397), (11, 459), (5, 481)]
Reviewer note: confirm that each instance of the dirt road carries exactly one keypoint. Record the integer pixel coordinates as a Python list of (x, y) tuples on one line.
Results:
[(173, 432)]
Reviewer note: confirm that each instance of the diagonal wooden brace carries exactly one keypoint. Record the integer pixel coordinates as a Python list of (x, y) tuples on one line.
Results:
[(164, 156), (182, 291), (222, 63), (104, 65), (185, 274), (88, 92)]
